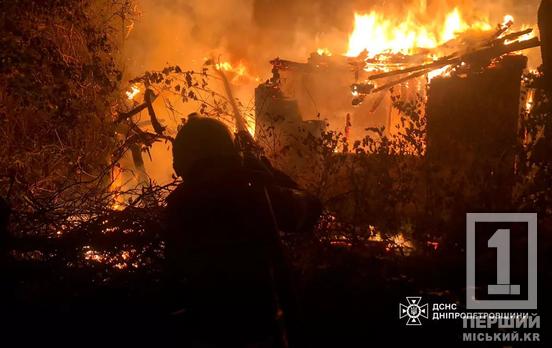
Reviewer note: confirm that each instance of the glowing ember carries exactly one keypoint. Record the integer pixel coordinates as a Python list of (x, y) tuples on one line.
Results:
[(529, 102), (118, 260), (433, 245), (400, 241), (92, 255)]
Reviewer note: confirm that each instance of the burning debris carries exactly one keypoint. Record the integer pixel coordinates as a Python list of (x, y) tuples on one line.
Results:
[(464, 48), (467, 52)]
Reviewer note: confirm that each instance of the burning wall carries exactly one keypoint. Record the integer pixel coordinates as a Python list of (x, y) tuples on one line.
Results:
[(472, 138)]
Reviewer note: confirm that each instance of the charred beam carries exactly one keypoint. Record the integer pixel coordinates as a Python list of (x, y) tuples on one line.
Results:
[(401, 80), (125, 115), (149, 97), (487, 54)]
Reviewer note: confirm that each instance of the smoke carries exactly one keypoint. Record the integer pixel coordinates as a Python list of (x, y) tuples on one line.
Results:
[(255, 31), (252, 31)]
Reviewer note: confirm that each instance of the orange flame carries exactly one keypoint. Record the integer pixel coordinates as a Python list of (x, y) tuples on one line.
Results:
[(324, 52), (134, 90), (115, 187), (240, 70), (377, 34)]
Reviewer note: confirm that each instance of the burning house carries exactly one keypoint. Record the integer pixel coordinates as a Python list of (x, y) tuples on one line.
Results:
[(322, 86), (470, 140)]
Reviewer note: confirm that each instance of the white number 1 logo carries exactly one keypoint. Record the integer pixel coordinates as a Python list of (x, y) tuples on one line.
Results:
[(501, 241)]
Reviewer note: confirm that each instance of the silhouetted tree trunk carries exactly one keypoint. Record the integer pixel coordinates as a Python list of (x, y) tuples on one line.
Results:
[(545, 27)]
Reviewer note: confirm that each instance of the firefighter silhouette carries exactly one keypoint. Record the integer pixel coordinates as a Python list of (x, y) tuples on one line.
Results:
[(223, 248)]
